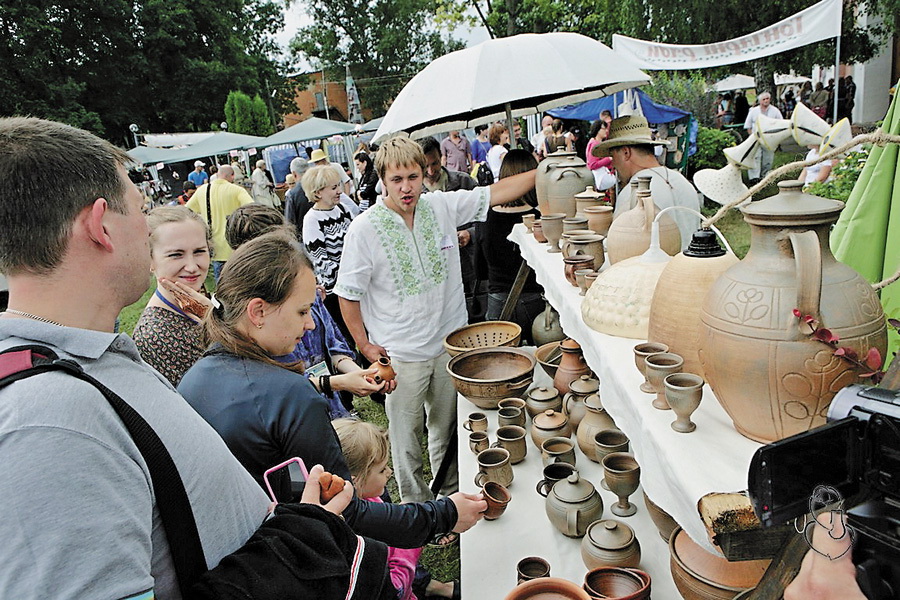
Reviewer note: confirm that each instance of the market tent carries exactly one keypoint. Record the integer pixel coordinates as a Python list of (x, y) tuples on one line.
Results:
[(867, 234), (214, 145), (590, 110), (372, 125), (312, 128), (145, 155), (734, 82)]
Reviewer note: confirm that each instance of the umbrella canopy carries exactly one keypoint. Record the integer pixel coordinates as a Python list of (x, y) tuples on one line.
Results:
[(532, 72), (372, 125), (312, 128), (145, 155), (590, 110), (734, 82), (867, 234), (220, 143)]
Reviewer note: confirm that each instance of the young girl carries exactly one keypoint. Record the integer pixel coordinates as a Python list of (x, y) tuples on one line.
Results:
[(367, 451)]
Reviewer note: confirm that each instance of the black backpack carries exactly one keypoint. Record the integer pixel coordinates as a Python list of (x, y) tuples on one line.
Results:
[(483, 175)]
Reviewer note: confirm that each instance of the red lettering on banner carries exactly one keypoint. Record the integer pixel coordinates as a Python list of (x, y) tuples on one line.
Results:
[(799, 21), (689, 52), (653, 51), (787, 30), (733, 47)]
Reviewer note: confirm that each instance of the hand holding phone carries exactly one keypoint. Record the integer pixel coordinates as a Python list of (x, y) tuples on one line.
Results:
[(294, 469)]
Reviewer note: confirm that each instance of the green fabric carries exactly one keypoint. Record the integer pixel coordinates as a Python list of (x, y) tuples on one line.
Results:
[(867, 234)]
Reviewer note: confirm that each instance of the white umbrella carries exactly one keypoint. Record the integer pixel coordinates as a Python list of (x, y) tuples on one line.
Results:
[(734, 82), (526, 73), (790, 79)]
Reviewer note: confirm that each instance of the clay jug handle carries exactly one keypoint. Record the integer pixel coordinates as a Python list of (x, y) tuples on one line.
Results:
[(808, 256), (543, 487), (566, 400), (572, 521), (649, 212)]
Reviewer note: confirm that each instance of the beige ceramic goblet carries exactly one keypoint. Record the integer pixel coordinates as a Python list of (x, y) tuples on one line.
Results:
[(658, 366), (528, 220), (683, 393), (623, 474), (590, 278), (642, 351), (553, 230), (607, 441), (581, 279)]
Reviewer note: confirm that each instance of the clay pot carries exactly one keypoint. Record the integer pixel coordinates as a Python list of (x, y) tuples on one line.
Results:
[(545, 328), (573, 504), (571, 366), (575, 223), (573, 402), (599, 218), (573, 263), (769, 374), (537, 229), (618, 302), (596, 419), (610, 543), (664, 522), (567, 177), (617, 583), (549, 424), (542, 399), (487, 375), (679, 295), (591, 245), (542, 178), (700, 575), (587, 199), (629, 235), (552, 225), (547, 588), (385, 370)]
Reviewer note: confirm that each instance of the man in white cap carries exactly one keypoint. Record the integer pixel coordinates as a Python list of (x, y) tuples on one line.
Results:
[(198, 175), (630, 144), (320, 158)]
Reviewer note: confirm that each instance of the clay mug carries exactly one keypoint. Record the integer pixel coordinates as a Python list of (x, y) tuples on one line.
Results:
[(552, 225), (511, 415), (385, 370), (476, 422), (552, 473), (557, 450), (528, 221), (606, 442), (623, 474), (512, 439), (478, 441), (567, 249), (532, 567), (683, 393), (537, 229), (642, 351), (497, 497), (581, 279), (591, 245), (573, 263), (658, 366), (493, 465)]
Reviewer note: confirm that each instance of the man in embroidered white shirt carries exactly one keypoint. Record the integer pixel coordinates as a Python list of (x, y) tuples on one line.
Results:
[(401, 294)]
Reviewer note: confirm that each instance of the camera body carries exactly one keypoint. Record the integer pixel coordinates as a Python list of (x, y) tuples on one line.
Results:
[(858, 454)]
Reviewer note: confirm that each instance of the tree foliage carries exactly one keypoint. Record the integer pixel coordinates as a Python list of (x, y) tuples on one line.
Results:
[(166, 65)]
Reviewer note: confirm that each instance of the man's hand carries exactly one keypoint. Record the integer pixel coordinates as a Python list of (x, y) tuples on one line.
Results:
[(823, 578), (463, 237), (372, 351), (469, 509), (312, 493)]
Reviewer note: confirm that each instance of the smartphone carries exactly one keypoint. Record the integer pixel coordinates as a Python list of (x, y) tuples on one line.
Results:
[(783, 475), (285, 481)]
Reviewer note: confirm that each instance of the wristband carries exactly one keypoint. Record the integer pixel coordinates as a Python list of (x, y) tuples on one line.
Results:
[(325, 384)]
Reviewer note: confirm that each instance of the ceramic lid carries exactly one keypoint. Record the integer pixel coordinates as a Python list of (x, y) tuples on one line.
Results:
[(589, 193), (543, 394), (593, 402), (704, 244), (550, 419), (569, 344), (585, 385), (610, 534), (573, 489), (792, 204), (568, 160)]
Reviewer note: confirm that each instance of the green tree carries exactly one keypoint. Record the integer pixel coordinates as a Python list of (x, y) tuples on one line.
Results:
[(260, 119), (240, 107)]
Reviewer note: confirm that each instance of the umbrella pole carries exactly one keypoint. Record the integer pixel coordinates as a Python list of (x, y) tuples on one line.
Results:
[(511, 125)]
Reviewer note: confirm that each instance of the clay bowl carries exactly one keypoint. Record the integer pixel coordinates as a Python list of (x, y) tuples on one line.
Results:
[(547, 588), (617, 583), (543, 352), (701, 575), (489, 334), (663, 520), (485, 376)]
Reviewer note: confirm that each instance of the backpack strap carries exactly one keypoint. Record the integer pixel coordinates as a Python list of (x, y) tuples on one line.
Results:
[(21, 362)]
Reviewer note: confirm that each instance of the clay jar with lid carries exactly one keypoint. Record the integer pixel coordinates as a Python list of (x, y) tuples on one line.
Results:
[(541, 399), (595, 420), (573, 403), (542, 178), (573, 504), (571, 366), (610, 543), (586, 199), (549, 424)]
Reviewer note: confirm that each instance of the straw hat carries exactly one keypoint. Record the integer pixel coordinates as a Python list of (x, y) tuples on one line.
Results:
[(318, 155), (721, 185), (632, 130)]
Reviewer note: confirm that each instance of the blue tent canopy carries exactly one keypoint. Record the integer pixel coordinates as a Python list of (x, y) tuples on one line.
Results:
[(590, 110)]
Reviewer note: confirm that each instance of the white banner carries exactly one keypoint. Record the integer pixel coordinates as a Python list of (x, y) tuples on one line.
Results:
[(818, 22)]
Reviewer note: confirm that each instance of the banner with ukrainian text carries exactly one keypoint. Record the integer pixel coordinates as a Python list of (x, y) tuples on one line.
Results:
[(818, 22)]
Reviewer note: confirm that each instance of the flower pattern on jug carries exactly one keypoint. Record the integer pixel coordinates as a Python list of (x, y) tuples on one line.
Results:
[(812, 389), (749, 304)]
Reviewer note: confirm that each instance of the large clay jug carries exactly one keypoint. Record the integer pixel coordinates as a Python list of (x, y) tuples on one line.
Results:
[(629, 234), (771, 376), (567, 177), (545, 328), (595, 420), (571, 366), (680, 291), (543, 176)]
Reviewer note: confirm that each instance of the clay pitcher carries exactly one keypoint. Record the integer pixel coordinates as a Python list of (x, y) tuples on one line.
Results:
[(571, 366), (543, 176), (595, 420), (567, 177), (545, 328), (765, 368), (573, 403), (629, 234)]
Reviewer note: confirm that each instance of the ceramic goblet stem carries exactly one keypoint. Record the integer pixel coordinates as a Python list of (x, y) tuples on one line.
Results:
[(642, 351), (683, 393), (658, 366), (623, 474)]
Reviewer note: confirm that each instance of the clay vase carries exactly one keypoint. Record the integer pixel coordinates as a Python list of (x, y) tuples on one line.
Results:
[(658, 366), (629, 235), (683, 394), (549, 424), (575, 223), (595, 420), (642, 351), (591, 245), (573, 504), (567, 177), (573, 263), (573, 402), (599, 218), (571, 366), (679, 295), (542, 178), (586, 199), (552, 226), (547, 588), (541, 399), (610, 543), (623, 475), (765, 368), (385, 370), (538, 231)]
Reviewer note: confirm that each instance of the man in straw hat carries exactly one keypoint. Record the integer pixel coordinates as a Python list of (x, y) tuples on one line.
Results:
[(631, 144)]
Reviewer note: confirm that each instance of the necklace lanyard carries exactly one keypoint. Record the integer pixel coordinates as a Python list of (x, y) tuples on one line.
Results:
[(174, 307)]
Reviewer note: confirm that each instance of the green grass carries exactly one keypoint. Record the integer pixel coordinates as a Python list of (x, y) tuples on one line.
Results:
[(129, 316)]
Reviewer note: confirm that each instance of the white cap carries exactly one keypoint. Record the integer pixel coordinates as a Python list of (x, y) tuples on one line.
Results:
[(199, 163)]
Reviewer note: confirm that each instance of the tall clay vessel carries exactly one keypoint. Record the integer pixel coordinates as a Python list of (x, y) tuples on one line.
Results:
[(629, 234), (567, 177), (571, 366), (542, 178), (769, 374)]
